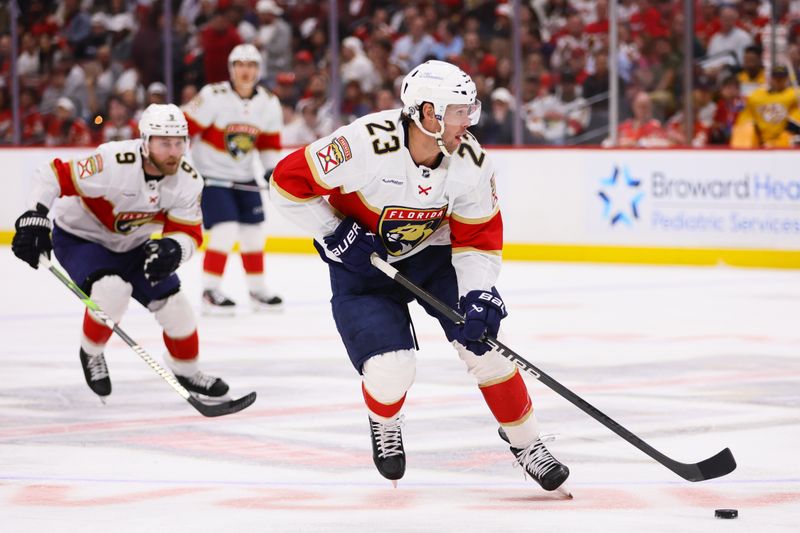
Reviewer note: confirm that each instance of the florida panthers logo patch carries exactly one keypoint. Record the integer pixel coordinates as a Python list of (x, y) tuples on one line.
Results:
[(403, 228), (334, 154), (240, 139), (127, 222)]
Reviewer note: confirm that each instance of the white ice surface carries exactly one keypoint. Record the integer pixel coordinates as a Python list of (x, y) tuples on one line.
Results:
[(690, 359)]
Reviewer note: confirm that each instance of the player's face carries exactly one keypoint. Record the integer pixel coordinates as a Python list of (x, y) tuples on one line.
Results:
[(166, 152), (457, 118), (244, 74)]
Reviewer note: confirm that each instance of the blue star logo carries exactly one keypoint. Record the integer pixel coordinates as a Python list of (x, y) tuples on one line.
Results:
[(621, 197)]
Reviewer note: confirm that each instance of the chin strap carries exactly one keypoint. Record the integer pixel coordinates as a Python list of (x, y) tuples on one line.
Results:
[(414, 114)]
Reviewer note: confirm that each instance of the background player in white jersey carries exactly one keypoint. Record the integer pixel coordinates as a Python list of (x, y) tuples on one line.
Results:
[(415, 186), (235, 121), (107, 206)]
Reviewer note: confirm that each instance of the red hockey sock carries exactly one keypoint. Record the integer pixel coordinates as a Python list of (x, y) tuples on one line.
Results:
[(95, 331), (214, 262), (508, 399), (253, 262), (382, 409), (185, 349)]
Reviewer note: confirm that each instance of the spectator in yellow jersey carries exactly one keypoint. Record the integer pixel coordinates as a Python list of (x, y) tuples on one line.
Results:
[(770, 116)]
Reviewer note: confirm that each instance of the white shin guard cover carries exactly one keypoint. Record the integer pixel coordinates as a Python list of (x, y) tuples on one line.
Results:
[(386, 379), (505, 393), (486, 367), (175, 315), (112, 294), (222, 236), (252, 237)]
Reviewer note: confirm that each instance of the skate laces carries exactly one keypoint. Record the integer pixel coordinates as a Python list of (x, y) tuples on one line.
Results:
[(388, 436), (536, 459), (97, 367), (199, 379), (215, 297)]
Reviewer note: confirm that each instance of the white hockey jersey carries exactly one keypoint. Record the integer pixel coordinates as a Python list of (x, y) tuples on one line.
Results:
[(106, 199), (231, 130), (366, 172)]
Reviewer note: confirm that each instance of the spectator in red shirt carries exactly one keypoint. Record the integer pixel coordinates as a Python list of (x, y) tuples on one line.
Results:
[(642, 130), (32, 121), (217, 39)]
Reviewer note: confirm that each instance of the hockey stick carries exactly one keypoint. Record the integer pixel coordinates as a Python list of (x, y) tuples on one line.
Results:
[(221, 409), (719, 465), (233, 185)]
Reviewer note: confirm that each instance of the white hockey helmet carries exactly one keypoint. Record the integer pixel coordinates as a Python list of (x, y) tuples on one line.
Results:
[(246, 53), (441, 84), (165, 120)]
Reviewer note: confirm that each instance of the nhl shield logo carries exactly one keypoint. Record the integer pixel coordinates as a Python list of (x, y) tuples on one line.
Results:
[(402, 228), (240, 139)]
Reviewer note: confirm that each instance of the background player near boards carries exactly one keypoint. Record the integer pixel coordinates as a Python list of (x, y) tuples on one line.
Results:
[(416, 186), (235, 121)]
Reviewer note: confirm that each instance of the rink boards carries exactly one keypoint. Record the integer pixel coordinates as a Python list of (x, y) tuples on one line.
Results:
[(638, 206)]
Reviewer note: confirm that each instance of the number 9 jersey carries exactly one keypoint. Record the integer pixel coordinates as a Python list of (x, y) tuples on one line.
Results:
[(106, 199), (366, 171)]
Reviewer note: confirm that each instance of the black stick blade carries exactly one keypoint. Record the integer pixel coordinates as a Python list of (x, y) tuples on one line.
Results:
[(222, 409), (721, 464), (717, 466)]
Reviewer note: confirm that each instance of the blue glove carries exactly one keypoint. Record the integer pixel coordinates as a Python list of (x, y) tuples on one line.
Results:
[(161, 258), (353, 244), (483, 311), (32, 236)]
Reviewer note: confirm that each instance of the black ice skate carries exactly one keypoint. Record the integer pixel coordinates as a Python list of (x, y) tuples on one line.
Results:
[(216, 303), (265, 301), (539, 463), (204, 384), (96, 373), (387, 448)]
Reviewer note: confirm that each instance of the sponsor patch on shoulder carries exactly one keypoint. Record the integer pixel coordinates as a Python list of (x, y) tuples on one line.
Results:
[(90, 166), (334, 154)]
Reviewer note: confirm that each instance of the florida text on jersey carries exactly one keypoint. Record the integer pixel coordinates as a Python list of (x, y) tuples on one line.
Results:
[(232, 130), (106, 199), (367, 172)]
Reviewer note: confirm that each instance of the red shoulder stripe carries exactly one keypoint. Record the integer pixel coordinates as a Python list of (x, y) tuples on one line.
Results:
[(486, 236), (294, 178), (64, 175)]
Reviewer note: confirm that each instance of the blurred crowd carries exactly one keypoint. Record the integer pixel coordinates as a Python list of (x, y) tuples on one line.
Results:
[(87, 68)]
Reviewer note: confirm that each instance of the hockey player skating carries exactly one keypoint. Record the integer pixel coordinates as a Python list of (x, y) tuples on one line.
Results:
[(105, 208), (235, 121), (415, 186)]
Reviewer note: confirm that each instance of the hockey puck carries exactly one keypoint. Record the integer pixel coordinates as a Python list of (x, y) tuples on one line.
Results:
[(726, 513)]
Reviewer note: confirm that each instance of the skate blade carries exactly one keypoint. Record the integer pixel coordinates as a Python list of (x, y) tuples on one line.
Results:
[(564, 491), (272, 310), (394, 483), (209, 310), (266, 308)]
